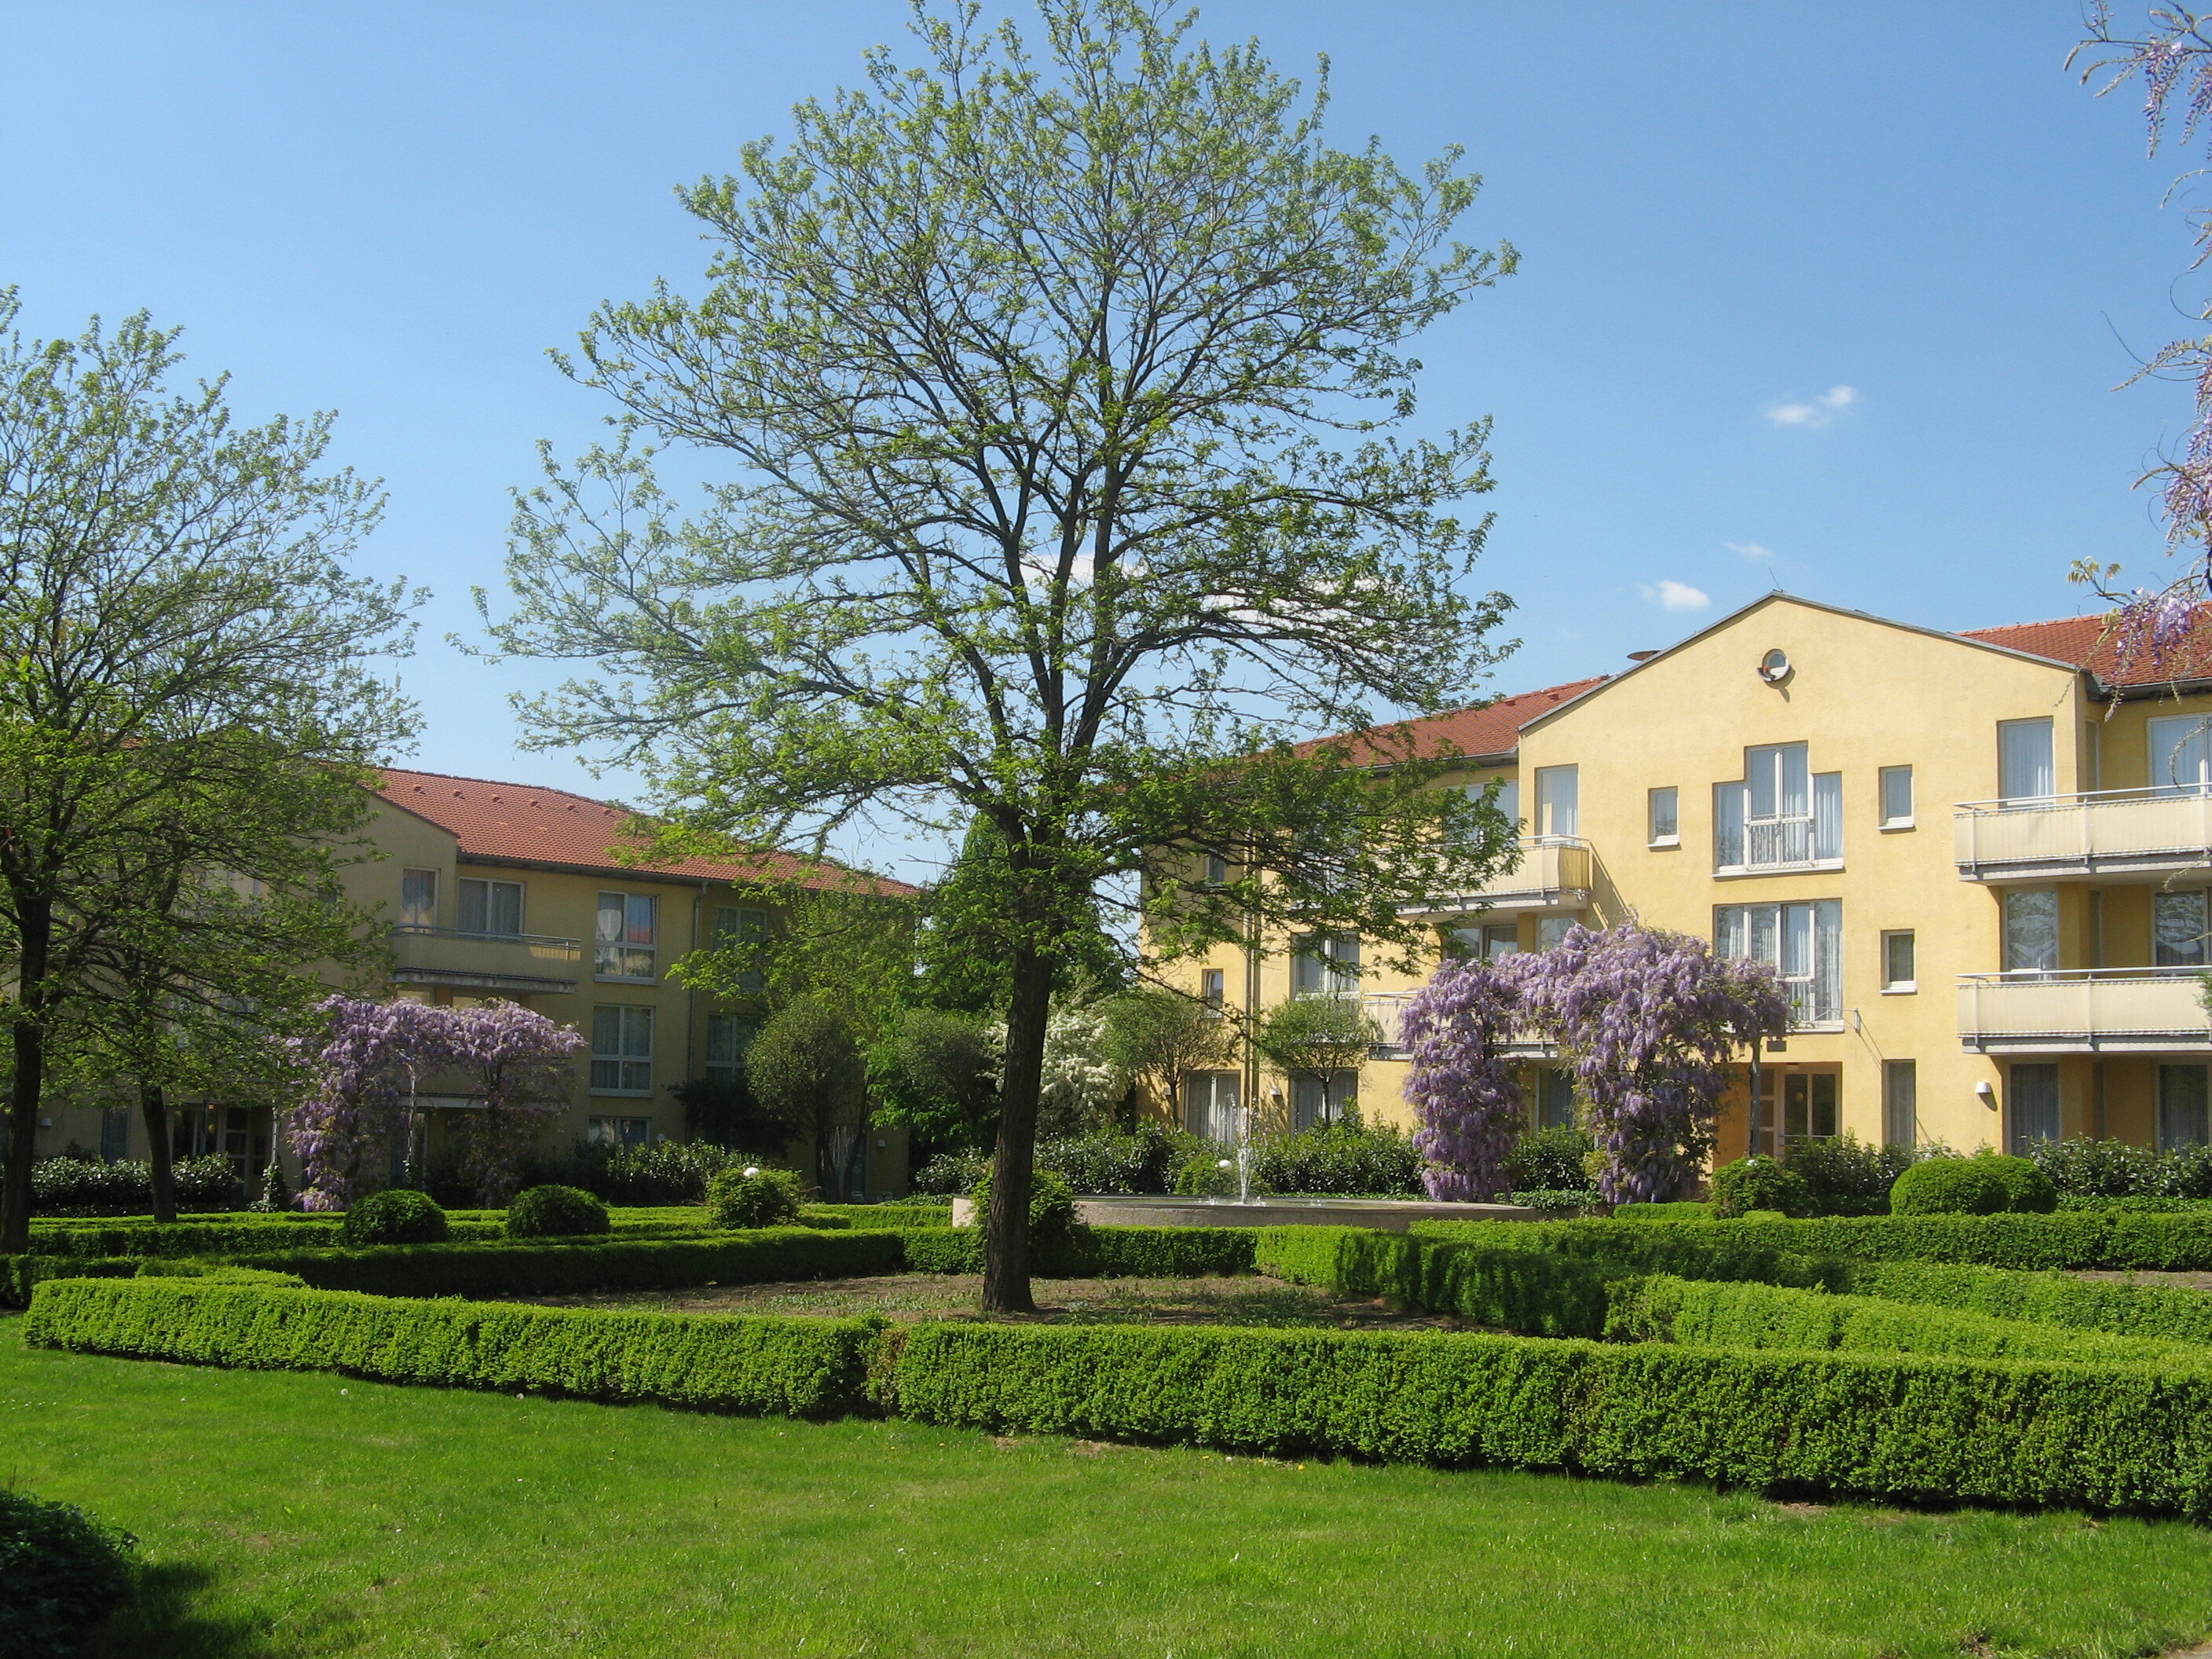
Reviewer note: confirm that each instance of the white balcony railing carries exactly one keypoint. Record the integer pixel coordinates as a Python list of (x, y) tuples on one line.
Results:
[(1387, 1010), (2084, 1011), (1549, 872), (2110, 832), (519, 962)]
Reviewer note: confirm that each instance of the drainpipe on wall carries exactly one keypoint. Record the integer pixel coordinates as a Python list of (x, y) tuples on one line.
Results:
[(690, 992)]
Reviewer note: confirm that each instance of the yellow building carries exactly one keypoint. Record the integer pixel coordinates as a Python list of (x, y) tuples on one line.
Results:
[(516, 892), (1980, 860)]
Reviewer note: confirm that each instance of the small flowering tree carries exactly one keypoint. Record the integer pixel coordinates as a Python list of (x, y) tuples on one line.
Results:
[(364, 1072), (1462, 1087), (519, 1060), (1649, 1020)]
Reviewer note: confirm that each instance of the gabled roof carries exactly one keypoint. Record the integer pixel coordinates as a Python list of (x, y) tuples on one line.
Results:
[(1490, 733), (2088, 642), (528, 823)]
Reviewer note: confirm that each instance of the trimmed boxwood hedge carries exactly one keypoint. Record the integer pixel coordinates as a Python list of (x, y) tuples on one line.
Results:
[(796, 1367), (21, 1274), (2051, 1299), (1738, 1315), (1095, 1252), (1892, 1427)]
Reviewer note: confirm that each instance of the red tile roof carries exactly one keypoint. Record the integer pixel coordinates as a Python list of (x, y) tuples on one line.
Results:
[(537, 825), (2086, 642), (1492, 729)]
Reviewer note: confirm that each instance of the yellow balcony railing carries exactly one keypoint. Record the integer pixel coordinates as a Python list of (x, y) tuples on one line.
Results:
[(1548, 873), (2084, 1011), (517, 962), (2110, 834)]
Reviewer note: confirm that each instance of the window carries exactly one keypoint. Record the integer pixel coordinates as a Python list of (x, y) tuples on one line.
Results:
[(2034, 1115), (418, 900), (1210, 1102), (734, 929), (115, 1134), (2182, 1116), (1555, 1098), (1326, 1099), (728, 1036), (1805, 943), (622, 1051), (2031, 930), (1897, 972), (625, 941), (2178, 929), (619, 1131), (1325, 965), (1214, 989), (1783, 815), (1665, 819), (1486, 944), (492, 909), (1559, 800), (2181, 755), (1552, 931), (1897, 798), (1901, 1103), (1509, 802), (1217, 869), (2025, 769), (1808, 1105)]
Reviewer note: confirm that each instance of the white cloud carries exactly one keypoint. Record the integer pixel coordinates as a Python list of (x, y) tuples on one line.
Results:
[(1749, 549), (1817, 412), (1675, 596)]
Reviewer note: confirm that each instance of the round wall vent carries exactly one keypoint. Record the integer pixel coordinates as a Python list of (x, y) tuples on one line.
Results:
[(1774, 667)]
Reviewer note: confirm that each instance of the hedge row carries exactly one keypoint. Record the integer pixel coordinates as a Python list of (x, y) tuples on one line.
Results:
[(1889, 1427), (796, 1367), (2101, 1238), (21, 1274), (1716, 1315), (2049, 1298), (1095, 1252)]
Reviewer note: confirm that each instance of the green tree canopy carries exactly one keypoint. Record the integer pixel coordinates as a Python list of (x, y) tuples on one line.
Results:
[(1055, 390)]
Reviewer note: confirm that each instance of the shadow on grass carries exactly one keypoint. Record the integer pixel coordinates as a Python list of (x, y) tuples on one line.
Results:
[(168, 1614)]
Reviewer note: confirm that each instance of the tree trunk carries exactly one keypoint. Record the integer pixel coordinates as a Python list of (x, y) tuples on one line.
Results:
[(29, 1091), (1006, 1228), (154, 1108)]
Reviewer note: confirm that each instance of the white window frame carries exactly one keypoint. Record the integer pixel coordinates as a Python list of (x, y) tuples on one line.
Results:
[(622, 948), (1325, 965), (1664, 828), (622, 1057), (1559, 803), (1798, 831), (1213, 990), (1889, 820), (414, 919), (492, 891), (2016, 741), (1804, 942), (1891, 984)]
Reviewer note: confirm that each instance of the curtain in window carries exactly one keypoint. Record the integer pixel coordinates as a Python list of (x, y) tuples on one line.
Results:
[(2034, 1105), (1828, 816), (1210, 1105), (2184, 1108), (1728, 825), (2178, 924), (2181, 755), (1900, 1092), (2031, 927), (1559, 801), (1805, 943), (2025, 769)]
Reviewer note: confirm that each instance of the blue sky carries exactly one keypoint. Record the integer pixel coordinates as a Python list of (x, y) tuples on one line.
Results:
[(1726, 214)]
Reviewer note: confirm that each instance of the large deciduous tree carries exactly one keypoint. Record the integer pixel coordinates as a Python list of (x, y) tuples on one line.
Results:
[(1052, 391), (177, 626)]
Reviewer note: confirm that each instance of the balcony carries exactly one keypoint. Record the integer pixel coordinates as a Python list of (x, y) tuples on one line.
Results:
[(2097, 1011), (521, 964), (1550, 874), (2111, 835), (1387, 1011)]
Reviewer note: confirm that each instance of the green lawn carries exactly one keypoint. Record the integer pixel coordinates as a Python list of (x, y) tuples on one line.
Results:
[(294, 1514)]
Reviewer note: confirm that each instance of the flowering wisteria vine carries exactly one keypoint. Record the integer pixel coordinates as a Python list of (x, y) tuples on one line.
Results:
[(366, 1069), (1648, 1020), (1466, 1103)]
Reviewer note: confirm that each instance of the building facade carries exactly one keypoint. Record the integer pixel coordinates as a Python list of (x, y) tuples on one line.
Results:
[(1979, 861), (518, 893)]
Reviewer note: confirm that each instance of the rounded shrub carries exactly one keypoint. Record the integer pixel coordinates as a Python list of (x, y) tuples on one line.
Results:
[(1052, 1205), (753, 1197), (1206, 1175), (556, 1212), (1757, 1183), (64, 1572), (398, 1215), (1988, 1183)]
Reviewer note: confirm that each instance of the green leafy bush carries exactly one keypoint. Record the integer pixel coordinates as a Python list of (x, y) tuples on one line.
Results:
[(1205, 1173), (947, 1173), (1757, 1183), (2051, 1299), (556, 1212), (797, 1367), (94, 1186), (2141, 1205), (1741, 1315), (1989, 1183), (1844, 1176), (750, 1196), (1578, 1197), (395, 1216), (1554, 1160), (63, 1572), (1139, 1163), (1347, 1158), (1052, 1207), (2081, 1167)]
